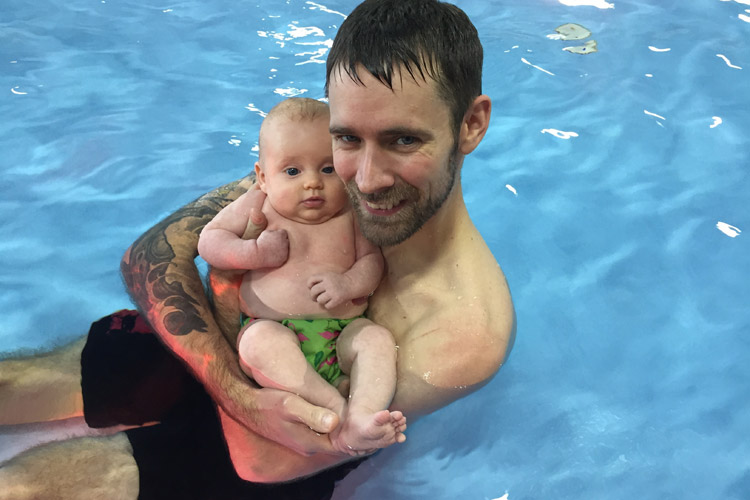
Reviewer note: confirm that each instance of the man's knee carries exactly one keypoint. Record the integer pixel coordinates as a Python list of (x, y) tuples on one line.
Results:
[(83, 468), (42, 387)]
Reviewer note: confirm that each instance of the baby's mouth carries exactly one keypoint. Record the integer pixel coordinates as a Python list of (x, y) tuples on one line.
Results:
[(313, 202)]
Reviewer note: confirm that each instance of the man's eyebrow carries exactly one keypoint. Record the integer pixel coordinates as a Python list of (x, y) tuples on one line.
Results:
[(337, 130), (406, 131), (391, 132)]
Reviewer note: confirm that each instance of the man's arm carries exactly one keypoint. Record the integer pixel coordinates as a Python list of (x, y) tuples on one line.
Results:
[(449, 358), (161, 276)]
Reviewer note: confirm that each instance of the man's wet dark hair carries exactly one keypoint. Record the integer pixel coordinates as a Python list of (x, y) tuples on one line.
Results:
[(428, 38)]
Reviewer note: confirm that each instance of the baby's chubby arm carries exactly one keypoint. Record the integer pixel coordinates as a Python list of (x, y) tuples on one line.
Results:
[(333, 289), (222, 245)]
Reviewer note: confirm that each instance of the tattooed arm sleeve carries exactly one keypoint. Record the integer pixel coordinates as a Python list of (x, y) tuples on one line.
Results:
[(161, 276), (160, 273)]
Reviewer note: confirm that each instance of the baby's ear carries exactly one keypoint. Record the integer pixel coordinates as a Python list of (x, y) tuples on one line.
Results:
[(260, 177)]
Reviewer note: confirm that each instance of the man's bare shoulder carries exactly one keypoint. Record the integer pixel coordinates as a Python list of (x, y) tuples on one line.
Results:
[(458, 344), (473, 332)]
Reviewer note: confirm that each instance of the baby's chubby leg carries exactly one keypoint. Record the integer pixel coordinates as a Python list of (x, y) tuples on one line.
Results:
[(270, 353), (368, 353)]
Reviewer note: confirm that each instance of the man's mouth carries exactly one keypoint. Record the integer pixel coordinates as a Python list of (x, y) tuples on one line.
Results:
[(384, 207)]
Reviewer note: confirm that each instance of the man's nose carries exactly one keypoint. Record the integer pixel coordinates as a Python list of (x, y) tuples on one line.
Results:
[(373, 171)]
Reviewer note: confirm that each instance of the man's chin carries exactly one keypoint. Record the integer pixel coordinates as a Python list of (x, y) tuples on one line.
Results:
[(385, 233)]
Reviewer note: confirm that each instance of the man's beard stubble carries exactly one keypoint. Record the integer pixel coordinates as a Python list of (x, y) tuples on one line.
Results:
[(385, 231)]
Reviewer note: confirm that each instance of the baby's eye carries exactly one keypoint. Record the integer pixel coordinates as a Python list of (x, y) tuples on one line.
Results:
[(328, 170), (291, 171)]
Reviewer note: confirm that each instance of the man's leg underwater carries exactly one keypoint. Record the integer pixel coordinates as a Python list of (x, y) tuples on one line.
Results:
[(42, 388), (78, 469)]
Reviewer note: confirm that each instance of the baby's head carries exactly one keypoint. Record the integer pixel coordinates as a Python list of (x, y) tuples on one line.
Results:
[(295, 162)]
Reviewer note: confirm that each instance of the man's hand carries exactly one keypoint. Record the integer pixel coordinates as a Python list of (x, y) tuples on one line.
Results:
[(257, 221), (330, 289), (277, 415), (293, 422), (273, 245)]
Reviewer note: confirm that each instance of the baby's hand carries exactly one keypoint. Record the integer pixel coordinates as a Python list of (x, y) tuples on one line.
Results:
[(329, 289), (273, 246)]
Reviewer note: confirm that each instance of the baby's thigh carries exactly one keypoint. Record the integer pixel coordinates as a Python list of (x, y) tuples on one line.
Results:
[(265, 339)]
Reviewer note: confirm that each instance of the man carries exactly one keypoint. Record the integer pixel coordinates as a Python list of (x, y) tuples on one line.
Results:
[(404, 84)]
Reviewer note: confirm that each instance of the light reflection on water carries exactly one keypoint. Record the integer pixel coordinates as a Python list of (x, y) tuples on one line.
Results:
[(622, 244)]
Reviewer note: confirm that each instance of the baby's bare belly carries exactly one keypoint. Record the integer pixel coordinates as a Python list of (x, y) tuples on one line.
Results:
[(283, 293)]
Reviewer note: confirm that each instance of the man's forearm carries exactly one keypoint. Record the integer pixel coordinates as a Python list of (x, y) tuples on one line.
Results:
[(161, 276)]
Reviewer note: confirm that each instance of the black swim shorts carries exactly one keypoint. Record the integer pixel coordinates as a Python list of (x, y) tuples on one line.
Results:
[(128, 377)]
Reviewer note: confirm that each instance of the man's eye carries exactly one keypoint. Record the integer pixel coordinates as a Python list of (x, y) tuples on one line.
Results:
[(291, 171), (347, 138), (328, 170), (406, 140)]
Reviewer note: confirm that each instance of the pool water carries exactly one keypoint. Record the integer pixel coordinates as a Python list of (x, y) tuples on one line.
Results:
[(612, 188)]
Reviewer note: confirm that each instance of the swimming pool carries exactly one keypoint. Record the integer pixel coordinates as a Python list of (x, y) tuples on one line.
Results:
[(610, 188)]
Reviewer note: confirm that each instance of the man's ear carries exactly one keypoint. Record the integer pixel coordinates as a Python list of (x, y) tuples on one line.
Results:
[(475, 124), (260, 176)]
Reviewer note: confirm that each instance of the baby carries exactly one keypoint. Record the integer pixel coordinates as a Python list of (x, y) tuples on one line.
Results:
[(309, 275)]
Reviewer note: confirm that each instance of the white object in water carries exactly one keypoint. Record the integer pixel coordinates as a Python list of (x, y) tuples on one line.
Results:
[(559, 133), (571, 31), (504, 497), (726, 60), (523, 60), (649, 113), (717, 121), (599, 4), (587, 48), (728, 229), (511, 189)]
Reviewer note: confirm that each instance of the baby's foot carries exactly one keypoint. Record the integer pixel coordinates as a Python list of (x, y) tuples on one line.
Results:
[(362, 433), (399, 424)]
